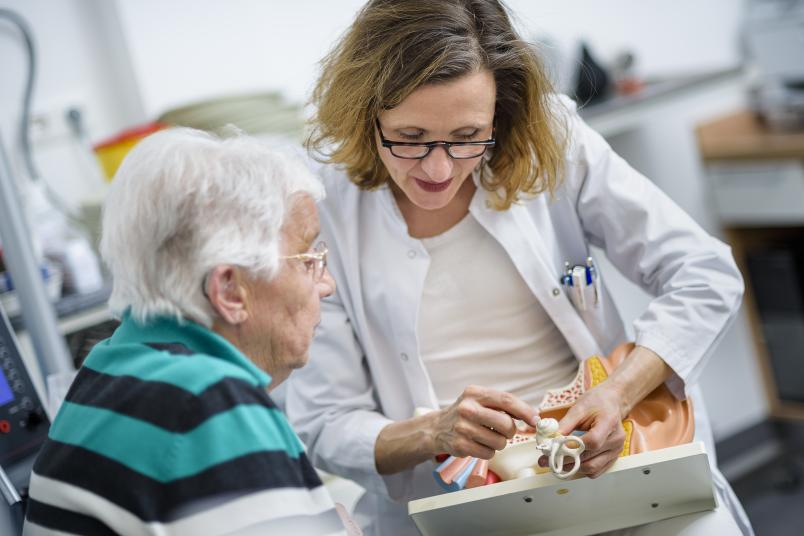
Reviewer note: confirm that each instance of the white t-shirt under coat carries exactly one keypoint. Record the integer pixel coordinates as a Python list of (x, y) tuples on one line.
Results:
[(480, 324)]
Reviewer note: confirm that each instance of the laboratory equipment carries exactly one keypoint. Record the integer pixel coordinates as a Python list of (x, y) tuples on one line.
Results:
[(23, 428), (773, 37)]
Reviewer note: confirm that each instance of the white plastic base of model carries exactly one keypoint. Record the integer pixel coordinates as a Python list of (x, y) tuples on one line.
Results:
[(637, 489)]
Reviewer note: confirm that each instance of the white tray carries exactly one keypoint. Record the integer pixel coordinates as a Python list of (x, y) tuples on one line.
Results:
[(637, 489)]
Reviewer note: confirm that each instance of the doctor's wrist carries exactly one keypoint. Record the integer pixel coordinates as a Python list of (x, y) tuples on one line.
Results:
[(636, 377), (402, 445)]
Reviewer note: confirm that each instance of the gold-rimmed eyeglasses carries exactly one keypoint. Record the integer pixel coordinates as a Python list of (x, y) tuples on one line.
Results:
[(315, 261)]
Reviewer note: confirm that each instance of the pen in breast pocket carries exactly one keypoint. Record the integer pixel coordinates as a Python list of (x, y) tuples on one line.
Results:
[(576, 279), (593, 278), (578, 285)]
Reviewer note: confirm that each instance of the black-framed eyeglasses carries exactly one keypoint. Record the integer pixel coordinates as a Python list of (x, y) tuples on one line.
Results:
[(416, 150)]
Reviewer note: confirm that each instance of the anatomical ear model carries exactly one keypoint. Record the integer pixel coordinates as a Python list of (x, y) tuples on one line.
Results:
[(519, 459), (659, 421)]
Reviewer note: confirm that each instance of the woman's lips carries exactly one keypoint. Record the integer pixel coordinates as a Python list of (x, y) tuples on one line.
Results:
[(433, 187)]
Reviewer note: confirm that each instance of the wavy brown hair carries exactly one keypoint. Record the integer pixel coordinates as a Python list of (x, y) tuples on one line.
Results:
[(396, 46)]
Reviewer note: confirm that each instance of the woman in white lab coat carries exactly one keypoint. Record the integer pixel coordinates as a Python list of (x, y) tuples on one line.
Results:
[(458, 186)]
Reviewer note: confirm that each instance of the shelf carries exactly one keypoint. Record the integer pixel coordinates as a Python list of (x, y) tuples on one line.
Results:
[(742, 136), (76, 311), (622, 113)]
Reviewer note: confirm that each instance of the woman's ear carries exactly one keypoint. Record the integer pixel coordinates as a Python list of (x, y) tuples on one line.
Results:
[(226, 292)]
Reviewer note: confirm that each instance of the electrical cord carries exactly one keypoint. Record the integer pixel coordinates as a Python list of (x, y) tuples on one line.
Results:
[(25, 119)]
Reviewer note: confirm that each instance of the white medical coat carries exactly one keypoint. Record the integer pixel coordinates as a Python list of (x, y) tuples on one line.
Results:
[(365, 370)]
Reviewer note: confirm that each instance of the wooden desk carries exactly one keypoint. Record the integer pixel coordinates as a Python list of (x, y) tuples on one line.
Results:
[(741, 136), (757, 184)]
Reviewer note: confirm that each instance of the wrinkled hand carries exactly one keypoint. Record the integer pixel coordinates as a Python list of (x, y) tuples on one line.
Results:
[(479, 422), (598, 412)]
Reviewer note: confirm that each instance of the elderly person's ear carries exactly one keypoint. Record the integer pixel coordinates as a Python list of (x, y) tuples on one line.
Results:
[(227, 294)]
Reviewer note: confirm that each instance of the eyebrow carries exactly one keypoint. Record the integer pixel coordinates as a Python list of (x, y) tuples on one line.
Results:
[(425, 131)]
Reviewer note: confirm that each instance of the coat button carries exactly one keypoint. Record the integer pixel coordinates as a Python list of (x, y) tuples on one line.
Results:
[(556, 292), (412, 253), (404, 356), (488, 203)]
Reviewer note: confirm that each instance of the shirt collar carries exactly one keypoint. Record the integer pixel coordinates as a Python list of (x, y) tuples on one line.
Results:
[(199, 339)]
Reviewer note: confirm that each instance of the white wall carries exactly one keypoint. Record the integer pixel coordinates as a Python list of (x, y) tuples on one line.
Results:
[(185, 50), (126, 61), (75, 68)]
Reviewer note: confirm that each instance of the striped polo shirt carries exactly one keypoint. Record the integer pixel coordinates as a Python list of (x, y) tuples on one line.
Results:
[(168, 429)]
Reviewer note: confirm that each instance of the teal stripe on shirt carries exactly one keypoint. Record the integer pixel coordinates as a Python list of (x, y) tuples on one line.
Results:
[(166, 456), (196, 337), (193, 373)]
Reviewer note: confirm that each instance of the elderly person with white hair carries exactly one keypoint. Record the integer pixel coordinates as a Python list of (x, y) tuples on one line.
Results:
[(168, 427)]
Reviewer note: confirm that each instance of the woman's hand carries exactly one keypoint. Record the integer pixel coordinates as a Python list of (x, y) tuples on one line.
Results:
[(598, 412), (478, 423), (601, 410)]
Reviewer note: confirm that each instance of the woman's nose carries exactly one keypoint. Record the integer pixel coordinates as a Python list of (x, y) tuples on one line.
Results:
[(438, 164)]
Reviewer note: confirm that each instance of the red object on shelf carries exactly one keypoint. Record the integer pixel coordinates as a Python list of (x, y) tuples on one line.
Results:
[(629, 86), (139, 131)]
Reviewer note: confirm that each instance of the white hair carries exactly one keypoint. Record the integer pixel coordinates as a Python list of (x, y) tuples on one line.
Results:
[(184, 201)]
